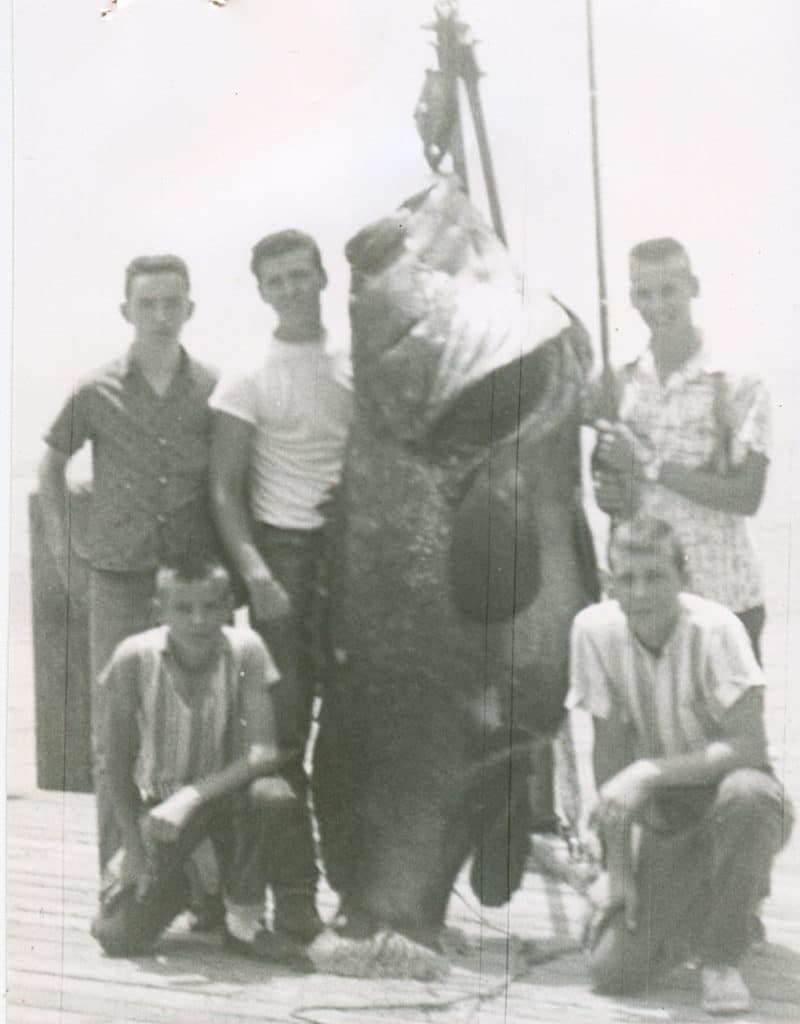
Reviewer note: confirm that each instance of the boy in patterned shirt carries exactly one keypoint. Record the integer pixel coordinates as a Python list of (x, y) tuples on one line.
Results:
[(187, 740), (691, 441)]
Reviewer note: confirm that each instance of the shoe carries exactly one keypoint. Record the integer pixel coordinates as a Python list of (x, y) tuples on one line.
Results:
[(269, 947), (207, 914), (295, 915), (724, 990)]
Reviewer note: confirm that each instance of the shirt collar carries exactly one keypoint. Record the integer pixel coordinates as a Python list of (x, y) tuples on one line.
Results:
[(162, 640), (700, 363), (166, 647), (298, 349), (128, 364), (672, 639)]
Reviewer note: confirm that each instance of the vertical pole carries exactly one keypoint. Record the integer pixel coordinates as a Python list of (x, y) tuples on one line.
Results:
[(471, 85), (609, 410), (457, 145)]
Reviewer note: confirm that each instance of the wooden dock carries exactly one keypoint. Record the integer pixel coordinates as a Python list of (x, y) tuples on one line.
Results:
[(56, 974), (519, 964)]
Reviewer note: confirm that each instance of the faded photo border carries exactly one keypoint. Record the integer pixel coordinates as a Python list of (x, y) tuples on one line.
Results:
[(749, 186)]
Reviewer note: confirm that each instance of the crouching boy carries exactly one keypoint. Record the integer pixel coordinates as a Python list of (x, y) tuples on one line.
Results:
[(689, 812), (187, 741)]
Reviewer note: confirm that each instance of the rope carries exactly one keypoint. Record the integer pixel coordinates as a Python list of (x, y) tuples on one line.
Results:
[(303, 1014)]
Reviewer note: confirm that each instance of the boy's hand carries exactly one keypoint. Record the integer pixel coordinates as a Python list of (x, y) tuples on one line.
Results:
[(133, 870), (167, 819), (616, 493), (618, 447), (605, 900), (615, 889), (268, 599), (624, 795)]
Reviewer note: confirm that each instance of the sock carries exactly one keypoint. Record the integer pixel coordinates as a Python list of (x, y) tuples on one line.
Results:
[(243, 920)]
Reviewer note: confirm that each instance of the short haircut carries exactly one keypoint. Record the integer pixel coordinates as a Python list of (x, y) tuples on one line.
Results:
[(193, 568), (280, 242), (155, 265), (646, 534), (660, 250)]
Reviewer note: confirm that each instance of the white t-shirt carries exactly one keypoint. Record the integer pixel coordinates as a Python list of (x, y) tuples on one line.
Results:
[(300, 404), (674, 699)]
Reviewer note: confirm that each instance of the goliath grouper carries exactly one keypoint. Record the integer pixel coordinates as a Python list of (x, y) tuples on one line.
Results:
[(459, 567)]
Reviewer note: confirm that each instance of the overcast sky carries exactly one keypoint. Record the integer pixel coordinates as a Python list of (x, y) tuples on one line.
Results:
[(173, 125)]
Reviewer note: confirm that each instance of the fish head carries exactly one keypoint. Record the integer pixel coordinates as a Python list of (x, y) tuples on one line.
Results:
[(436, 306)]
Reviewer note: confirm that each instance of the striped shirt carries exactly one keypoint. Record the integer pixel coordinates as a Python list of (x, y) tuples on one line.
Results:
[(181, 729), (300, 406), (674, 700)]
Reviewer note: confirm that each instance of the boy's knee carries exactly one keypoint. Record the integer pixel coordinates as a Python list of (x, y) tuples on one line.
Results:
[(272, 794), (120, 934), (747, 795)]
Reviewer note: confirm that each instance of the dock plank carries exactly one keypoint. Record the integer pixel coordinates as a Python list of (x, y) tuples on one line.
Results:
[(56, 972)]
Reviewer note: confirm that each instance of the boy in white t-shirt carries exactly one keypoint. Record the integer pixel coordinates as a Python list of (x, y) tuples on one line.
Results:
[(278, 445)]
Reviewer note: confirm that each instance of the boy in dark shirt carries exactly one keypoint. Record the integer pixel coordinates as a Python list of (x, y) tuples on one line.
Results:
[(146, 416)]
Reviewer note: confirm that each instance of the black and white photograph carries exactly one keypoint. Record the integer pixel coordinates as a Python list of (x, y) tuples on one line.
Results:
[(403, 485)]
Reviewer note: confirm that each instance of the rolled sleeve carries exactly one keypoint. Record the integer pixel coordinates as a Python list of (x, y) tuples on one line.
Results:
[(588, 680), (258, 668), (115, 709), (257, 674), (751, 429), (70, 430), (731, 667)]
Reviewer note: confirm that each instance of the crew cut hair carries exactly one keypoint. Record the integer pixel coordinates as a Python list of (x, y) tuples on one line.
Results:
[(659, 250), (645, 534), (166, 264), (192, 568), (280, 242)]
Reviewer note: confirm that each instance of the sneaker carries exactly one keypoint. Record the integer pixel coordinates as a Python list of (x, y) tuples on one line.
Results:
[(269, 947), (207, 914), (724, 990), (295, 915)]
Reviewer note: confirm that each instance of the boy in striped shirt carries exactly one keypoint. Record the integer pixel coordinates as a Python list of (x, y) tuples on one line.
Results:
[(187, 740), (688, 809)]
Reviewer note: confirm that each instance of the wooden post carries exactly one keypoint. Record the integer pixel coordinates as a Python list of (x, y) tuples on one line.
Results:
[(61, 664)]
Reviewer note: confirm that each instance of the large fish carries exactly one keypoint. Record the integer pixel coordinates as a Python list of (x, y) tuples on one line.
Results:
[(459, 566)]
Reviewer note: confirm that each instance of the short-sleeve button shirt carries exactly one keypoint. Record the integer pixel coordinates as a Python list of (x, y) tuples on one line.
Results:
[(178, 742), (701, 417), (150, 456), (675, 699)]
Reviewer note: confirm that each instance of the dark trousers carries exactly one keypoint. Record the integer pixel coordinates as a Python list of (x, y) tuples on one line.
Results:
[(299, 643), (254, 837), (698, 886)]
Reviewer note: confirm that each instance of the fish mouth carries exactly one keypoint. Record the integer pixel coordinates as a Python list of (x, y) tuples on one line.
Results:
[(437, 309)]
